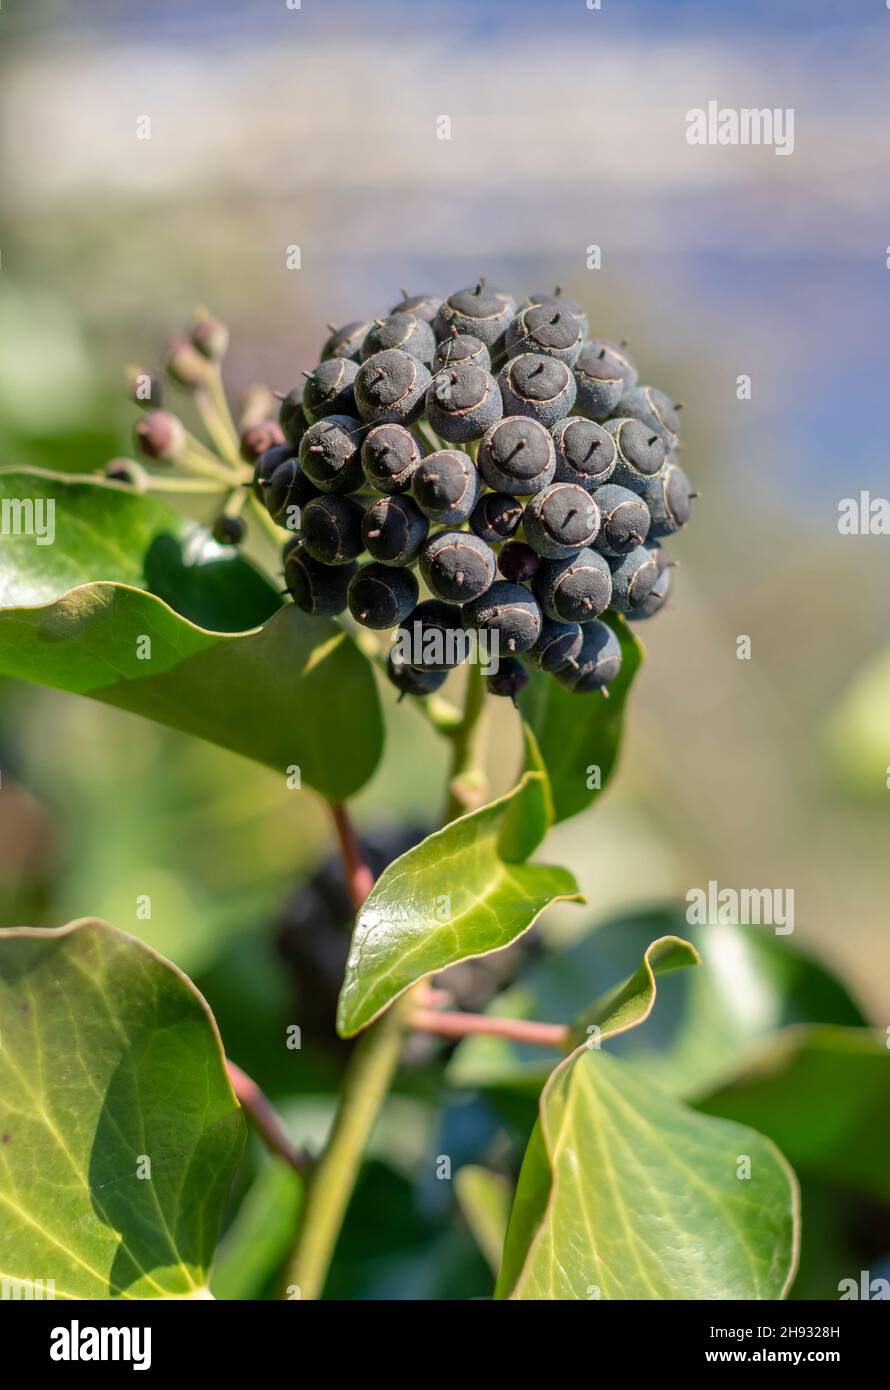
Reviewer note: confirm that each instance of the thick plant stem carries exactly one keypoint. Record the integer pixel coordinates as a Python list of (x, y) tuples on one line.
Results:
[(466, 784), (372, 1065)]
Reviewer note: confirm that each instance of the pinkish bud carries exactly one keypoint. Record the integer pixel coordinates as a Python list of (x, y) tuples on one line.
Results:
[(187, 366), (256, 439), (160, 435), (211, 338)]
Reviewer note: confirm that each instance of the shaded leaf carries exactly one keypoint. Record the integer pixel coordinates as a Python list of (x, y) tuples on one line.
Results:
[(256, 1244), (293, 692), (577, 732), (484, 1199), (119, 1131), (452, 897)]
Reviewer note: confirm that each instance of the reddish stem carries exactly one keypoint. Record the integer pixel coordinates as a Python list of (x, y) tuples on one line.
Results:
[(269, 1126), (359, 878), (454, 1025)]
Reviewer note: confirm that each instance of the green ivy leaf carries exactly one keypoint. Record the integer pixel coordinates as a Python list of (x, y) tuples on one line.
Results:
[(290, 691), (109, 1061), (823, 1095), (256, 1245), (631, 1003), (626, 1193), (460, 893), (577, 732)]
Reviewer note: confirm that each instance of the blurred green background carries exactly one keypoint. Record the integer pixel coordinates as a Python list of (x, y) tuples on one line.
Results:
[(270, 128)]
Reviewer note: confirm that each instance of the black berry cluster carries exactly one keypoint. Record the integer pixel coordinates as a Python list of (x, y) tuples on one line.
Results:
[(493, 455)]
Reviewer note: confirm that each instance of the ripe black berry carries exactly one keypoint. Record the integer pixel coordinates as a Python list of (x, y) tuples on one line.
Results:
[(331, 528), (625, 520), (654, 409), (598, 661), (585, 452), (542, 388), (291, 418), (390, 455), (329, 390), (604, 373), (496, 516), (346, 341), (394, 529), (508, 679), (458, 349), (557, 300), (381, 596), (510, 611), (315, 588), (556, 646), (462, 402), (640, 453), (457, 566), (229, 530), (517, 455), (390, 388), (286, 488), (410, 680), (433, 635), (481, 311), (575, 590), (425, 306), (669, 499), (547, 329), (445, 486), (633, 577), (330, 454), (561, 520), (654, 601), (401, 330), (518, 562)]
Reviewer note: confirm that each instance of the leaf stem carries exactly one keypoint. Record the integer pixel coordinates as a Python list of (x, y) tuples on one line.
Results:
[(268, 1125), (457, 1025), (359, 877), (375, 1059)]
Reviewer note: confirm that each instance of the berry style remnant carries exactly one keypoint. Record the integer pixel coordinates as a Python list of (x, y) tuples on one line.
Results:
[(468, 464)]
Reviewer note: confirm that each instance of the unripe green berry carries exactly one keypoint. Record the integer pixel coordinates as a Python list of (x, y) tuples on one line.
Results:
[(457, 566), (329, 390), (445, 486), (462, 402), (542, 388), (390, 388), (390, 455), (331, 527), (330, 454), (585, 452), (510, 611), (574, 590), (402, 330), (625, 520), (381, 596), (517, 456), (561, 520), (394, 529)]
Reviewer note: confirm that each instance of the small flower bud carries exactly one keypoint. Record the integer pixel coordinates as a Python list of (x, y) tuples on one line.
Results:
[(186, 366), (160, 435), (256, 439), (211, 338), (144, 388), (127, 471)]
